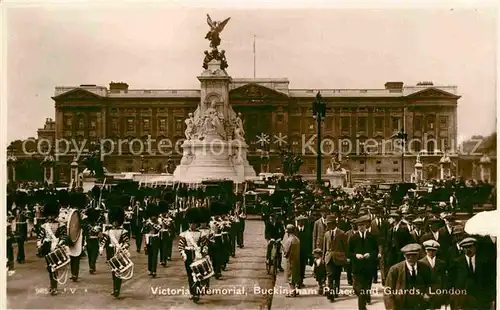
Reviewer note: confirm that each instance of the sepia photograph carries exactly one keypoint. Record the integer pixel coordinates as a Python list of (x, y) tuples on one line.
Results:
[(167, 156)]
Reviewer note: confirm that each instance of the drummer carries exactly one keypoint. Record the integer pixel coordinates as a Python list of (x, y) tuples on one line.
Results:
[(192, 246), (116, 216), (77, 201), (45, 242)]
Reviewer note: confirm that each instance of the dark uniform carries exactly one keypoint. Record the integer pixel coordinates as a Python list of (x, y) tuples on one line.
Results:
[(113, 239), (151, 231), (193, 245), (50, 236), (93, 231), (166, 233)]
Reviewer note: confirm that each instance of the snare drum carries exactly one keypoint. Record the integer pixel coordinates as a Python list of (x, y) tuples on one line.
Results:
[(120, 262), (57, 258), (202, 269)]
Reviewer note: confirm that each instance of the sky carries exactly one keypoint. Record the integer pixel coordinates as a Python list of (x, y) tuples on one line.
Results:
[(159, 47)]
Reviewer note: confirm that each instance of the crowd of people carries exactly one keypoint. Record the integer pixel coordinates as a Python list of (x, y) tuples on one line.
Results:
[(425, 258), (418, 249)]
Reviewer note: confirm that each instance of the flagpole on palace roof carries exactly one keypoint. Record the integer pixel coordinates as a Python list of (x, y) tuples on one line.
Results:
[(254, 62)]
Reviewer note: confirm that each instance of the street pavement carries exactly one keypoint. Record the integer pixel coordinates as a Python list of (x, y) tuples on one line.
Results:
[(240, 287), (310, 299)]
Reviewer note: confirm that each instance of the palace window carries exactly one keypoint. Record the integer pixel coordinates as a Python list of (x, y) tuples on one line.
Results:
[(81, 124), (178, 124), (69, 123), (417, 123), (396, 123), (146, 125), (93, 124), (130, 124), (443, 122), (162, 124), (345, 123), (362, 123), (115, 125), (379, 123), (430, 122)]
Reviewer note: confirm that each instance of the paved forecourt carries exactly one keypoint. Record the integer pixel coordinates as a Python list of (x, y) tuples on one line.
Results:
[(311, 300), (239, 287)]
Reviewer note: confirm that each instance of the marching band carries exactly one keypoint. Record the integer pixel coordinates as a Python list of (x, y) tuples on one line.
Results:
[(357, 233), (71, 225)]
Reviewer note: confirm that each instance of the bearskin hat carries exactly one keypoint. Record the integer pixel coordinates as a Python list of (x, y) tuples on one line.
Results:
[(125, 200), (152, 210), (77, 200), (116, 214), (50, 206), (64, 197), (204, 214), (218, 208), (92, 215), (193, 215), (20, 199), (163, 206)]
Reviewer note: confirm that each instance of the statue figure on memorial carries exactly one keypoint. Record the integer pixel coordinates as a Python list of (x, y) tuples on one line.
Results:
[(215, 30), (207, 59), (190, 124), (223, 61), (239, 132)]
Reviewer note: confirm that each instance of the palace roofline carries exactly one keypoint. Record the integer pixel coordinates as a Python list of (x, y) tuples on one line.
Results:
[(277, 84)]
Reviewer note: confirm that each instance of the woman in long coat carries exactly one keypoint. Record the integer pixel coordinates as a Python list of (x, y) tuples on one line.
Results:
[(291, 253)]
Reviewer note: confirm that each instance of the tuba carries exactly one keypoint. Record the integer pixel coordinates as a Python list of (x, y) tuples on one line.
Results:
[(120, 263)]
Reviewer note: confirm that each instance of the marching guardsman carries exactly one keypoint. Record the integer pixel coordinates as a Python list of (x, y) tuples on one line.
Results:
[(192, 246), (51, 235), (10, 236), (127, 224), (93, 232), (115, 239), (21, 224), (137, 223), (241, 213), (77, 201), (151, 231), (204, 220), (166, 233), (217, 255)]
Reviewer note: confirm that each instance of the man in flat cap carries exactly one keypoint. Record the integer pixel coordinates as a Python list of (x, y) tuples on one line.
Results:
[(335, 251), (475, 275), (304, 235), (363, 252), (291, 253), (408, 282), (274, 229), (439, 273), (418, 230)]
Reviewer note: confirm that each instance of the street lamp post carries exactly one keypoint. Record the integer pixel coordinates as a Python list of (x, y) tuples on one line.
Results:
[(403, 137), (365, 155), (319, 113)]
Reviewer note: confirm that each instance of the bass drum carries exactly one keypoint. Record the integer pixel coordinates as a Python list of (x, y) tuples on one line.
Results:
[(73, 224), (74, 233)]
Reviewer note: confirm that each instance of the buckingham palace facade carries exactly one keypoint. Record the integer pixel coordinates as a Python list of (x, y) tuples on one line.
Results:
[(275, 117)]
